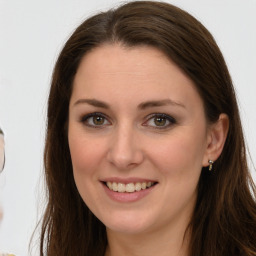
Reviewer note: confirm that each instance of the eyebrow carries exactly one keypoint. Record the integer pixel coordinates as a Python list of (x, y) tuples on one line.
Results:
[(92, 102), (160, 103), (142, 106)]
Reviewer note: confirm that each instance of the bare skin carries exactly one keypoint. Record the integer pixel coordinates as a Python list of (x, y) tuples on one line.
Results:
[(134, 116)]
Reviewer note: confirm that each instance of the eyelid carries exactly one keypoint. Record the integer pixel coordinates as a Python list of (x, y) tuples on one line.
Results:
[(85, 118), (169, 118)]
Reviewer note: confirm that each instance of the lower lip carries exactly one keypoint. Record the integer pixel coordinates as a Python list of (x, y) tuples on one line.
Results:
[(127, 197)]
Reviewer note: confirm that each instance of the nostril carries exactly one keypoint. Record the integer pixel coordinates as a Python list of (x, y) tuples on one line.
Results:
[(125, 160)]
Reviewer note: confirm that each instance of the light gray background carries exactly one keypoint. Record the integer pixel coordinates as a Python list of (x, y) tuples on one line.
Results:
[(31, 36)]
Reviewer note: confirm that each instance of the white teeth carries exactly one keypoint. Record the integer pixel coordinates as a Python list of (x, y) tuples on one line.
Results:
[(138, 186), (114, 186), (121, 187), (130, 187), (109, 184)]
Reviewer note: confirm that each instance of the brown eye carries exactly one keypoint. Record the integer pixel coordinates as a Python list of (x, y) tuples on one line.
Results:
[(95, 120), (160, 121), (98, 120)]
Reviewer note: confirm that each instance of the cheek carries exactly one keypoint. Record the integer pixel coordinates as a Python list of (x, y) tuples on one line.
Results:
[(85, 156), (180, 153), (85, 153)]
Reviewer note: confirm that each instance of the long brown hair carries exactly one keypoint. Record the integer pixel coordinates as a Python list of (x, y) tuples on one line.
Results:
[(224, 219)]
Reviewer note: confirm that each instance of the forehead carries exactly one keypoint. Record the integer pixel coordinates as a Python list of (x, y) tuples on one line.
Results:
[(112, 71), (112, 58)]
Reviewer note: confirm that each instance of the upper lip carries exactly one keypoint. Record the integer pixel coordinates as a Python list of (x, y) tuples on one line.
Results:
[(127, 180)]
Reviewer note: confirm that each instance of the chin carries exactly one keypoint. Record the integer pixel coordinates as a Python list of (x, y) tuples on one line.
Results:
[(128, 224), (127, 229)]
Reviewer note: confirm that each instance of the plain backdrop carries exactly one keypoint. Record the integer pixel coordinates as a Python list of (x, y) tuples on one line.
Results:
[(31, 36)]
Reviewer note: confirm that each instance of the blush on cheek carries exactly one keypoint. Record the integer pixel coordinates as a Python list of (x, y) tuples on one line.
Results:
[(84, 155)]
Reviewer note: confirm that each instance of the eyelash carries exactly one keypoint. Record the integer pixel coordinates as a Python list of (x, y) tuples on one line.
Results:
[(165, 117), (85, 119), (169, 119)]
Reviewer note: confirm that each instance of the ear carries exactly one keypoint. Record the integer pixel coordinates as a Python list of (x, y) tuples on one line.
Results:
[(216, 137)]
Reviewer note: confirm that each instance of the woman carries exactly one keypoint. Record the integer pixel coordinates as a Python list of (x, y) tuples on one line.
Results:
[(144, 149)]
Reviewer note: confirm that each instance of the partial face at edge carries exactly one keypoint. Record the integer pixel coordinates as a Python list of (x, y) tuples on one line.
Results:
[(134, 117), (2, 157)]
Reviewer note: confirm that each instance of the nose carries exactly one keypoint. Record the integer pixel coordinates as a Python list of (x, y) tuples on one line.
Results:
[(125, 151)]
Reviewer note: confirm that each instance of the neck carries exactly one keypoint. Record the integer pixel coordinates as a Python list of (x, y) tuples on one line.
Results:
[(164, 242)]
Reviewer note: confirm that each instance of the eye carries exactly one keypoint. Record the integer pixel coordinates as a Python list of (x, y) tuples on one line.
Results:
[(96, 120), (159, 121)]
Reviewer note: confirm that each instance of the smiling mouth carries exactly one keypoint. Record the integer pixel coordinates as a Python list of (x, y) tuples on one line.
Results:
[(129, 187)]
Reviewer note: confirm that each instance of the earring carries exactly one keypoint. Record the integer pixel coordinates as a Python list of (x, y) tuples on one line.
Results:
[(210, 164)]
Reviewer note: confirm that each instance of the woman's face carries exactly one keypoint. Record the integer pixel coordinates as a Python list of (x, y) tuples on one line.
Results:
[(138, 138)]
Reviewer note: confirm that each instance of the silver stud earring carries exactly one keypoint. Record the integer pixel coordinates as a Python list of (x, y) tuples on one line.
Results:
[(210, 164)]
